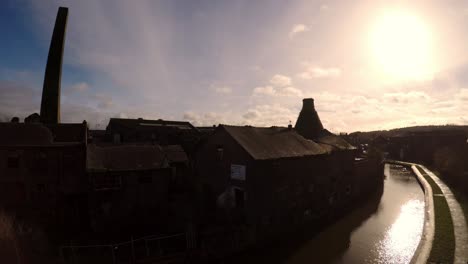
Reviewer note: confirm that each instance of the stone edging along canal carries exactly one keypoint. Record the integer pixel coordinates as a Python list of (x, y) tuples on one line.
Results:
[(422, 253)]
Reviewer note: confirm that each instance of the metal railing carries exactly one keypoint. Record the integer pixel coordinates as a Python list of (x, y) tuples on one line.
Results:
[(130, 251)]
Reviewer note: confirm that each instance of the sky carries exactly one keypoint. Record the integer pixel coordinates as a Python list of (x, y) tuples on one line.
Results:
[(368, 64)]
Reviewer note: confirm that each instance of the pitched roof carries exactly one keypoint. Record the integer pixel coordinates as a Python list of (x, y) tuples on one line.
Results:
[(175, 153), (20, 134), (336, 142), (68, 132), (139, 122), (124, 157), (264, 143)]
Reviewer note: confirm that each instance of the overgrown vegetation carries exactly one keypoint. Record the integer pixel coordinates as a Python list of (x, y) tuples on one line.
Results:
[(443, 247), (22, 243)]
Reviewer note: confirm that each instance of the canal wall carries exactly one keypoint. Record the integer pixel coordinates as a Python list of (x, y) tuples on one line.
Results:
[(422, 252), (421, 255)]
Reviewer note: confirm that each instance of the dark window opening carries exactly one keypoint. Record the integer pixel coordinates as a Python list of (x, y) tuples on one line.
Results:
[(220, 152), (239, 198), (107, 182), (348, 189), (41, 187), (13, 162), (145, 179)]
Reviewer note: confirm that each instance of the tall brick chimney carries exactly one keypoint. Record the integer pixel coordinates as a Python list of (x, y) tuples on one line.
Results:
[(308, 123), (50, 104)]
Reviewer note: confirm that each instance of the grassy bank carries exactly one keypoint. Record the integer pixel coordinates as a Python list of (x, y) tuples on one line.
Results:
[(443, 247), (461, 197)]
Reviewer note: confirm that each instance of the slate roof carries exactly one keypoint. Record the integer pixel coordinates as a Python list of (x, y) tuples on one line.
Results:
[(68, 132), (139, 122), (264, 143), (336, 142), (21, 134), (175, 153), (124, 157)]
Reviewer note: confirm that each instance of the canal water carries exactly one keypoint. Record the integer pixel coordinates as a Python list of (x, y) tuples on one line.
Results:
[(385, 229)]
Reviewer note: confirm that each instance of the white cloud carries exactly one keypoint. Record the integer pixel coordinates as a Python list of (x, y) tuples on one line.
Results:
[(290, 91), (298, 28), (103, 101), (313, 72), (222, 89), (462, 95), (280, 86), (279, 80), (264, 90), (251, 114), (270, 114), (323, 7), (408, 97), (208, 118)]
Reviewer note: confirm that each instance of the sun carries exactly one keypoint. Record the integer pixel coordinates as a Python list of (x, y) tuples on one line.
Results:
[(401, 45)]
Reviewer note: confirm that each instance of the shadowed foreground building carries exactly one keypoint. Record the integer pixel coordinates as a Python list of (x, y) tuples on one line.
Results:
[(271, 180), (42, 172), (129, 188), (162, 132)]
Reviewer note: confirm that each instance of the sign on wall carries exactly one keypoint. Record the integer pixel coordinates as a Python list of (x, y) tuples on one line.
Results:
[(238, 172)]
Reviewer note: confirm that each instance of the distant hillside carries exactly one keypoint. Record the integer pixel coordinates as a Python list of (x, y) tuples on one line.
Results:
[(366, 136)]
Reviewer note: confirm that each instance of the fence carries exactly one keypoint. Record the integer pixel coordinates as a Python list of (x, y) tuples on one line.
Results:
[(148, 247)]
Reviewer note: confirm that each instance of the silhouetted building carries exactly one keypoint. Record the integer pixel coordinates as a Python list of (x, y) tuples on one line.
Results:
[(129, 188), (272, 179), (162, 132), (43, 172), (96, 136), (33, 118), (421, 146)]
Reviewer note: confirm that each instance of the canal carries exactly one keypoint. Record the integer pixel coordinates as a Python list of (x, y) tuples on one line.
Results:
[(385, 229)]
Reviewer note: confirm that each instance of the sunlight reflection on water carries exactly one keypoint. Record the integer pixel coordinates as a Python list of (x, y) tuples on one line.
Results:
[(402, 238)]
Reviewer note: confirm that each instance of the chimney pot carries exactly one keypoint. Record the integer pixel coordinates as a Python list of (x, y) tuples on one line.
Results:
[(308, 103)]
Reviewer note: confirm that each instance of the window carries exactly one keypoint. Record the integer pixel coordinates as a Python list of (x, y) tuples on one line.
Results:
[(107, 182), (239, 198), (13, 162), (41, 187), (142, 179), (117, 138), (348, 189), (220, 152)]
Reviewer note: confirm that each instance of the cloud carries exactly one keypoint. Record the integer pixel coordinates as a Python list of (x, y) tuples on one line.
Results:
[(251, 114), (264, 90), (462, 94), (315, 72), (270, 114), (298, 28), (139, 54), (205, 119), (280, 86), (103, 101), (408, 97), (79, 87), (279, 80), (222, 89), (18, 99)]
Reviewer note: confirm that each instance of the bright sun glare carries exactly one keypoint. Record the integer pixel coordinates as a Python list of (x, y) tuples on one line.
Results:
[(401, 45)]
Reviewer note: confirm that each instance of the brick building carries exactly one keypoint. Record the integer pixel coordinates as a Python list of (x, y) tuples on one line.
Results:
[(43, 171)]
